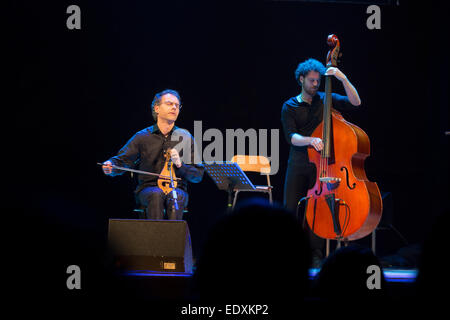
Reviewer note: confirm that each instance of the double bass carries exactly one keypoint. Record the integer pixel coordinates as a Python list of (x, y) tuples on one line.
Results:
[(343, 204)]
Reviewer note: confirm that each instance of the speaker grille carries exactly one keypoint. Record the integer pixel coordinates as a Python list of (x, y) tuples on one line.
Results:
[(151, 244)]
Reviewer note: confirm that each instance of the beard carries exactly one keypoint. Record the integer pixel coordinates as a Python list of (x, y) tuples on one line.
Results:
[(311, 91)]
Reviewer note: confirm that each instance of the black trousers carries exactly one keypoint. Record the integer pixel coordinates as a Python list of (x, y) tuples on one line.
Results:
[(161, 206), (297, 182)]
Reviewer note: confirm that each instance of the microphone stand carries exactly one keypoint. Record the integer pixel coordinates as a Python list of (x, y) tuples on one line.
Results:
[(175, 202)]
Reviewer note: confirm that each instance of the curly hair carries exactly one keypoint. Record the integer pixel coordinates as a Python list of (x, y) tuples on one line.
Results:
[(307, 66), (157, 100)]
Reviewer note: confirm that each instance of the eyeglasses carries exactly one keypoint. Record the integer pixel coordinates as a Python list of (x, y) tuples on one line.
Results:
[(170, 104)]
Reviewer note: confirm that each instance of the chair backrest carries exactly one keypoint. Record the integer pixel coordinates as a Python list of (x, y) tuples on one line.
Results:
[(253, 163)]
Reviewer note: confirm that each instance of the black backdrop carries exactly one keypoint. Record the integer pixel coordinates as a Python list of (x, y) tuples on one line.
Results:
[(83, 93)]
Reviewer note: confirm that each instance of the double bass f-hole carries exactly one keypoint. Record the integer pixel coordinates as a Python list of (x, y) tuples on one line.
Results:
[(347, 180), (320, 191)]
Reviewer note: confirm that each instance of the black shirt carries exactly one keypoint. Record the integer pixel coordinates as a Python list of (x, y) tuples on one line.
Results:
[(146, 149), (302, 118)]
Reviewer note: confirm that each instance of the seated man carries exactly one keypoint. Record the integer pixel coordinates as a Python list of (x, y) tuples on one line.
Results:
[(146, 151)]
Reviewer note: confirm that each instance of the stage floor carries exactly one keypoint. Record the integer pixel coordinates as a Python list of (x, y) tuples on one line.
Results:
[(176, 285), (391, 274)]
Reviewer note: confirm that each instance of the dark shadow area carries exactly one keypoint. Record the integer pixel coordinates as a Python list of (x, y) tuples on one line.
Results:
[(344, 277), (432, 280), (257, 254)]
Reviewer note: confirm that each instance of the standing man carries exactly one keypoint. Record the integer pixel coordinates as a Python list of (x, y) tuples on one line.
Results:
[(300, 115), (146, 151)]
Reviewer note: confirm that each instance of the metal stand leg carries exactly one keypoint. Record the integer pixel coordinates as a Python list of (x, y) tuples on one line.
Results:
[(338, 245), (235, 198), (374, 240)]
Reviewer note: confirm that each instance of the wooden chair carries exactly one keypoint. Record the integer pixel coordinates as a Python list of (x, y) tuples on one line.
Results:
[(258, 164)]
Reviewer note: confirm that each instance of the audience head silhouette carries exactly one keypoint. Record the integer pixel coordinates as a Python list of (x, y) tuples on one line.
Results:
[(344, 276), (257, 253)]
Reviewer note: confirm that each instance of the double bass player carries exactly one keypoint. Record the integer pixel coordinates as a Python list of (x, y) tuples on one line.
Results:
[(300, 115)]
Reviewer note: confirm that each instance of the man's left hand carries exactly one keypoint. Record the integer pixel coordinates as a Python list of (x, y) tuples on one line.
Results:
[(333, 71), (175, 157)]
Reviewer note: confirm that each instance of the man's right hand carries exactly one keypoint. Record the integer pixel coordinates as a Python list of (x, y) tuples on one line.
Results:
[(107, 167)]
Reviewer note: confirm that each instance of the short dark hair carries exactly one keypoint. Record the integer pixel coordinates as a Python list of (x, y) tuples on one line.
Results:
[(157, 100), (309, 65)]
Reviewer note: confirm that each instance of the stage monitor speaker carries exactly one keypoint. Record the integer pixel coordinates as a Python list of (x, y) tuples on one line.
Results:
[(155, 245)]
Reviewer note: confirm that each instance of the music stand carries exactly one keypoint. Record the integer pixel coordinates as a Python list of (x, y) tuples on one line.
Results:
[(228, 176)]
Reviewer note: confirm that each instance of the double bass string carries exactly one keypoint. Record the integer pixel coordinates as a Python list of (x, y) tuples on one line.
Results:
[(321, 164)]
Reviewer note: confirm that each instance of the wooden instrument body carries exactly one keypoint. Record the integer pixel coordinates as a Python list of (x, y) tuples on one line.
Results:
[(358, 204), (167, 180)]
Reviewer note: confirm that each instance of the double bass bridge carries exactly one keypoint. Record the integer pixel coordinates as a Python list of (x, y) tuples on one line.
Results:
[(329, 179), (332, 182)]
